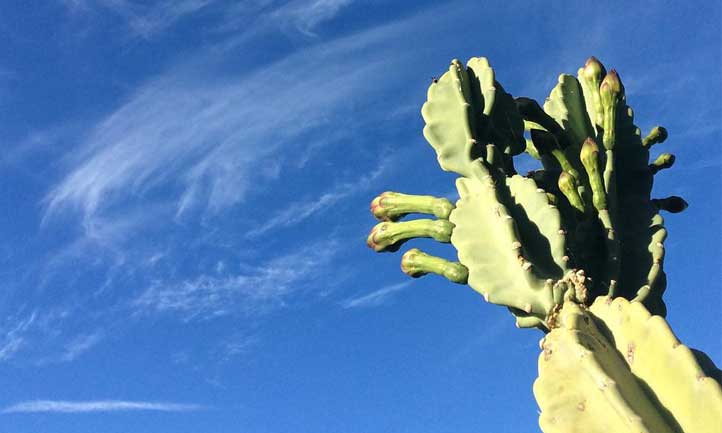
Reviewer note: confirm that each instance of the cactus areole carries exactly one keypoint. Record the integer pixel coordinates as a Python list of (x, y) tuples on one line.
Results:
[(548, 243)]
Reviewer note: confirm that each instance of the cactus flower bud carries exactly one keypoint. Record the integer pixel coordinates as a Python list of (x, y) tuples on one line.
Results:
[(657, 135), (672, 204), (594, 69), (589, 154), (663, 161), (610, 92), (389, 236), (568, 186), (392, 206), (415, 263), (611, 84)]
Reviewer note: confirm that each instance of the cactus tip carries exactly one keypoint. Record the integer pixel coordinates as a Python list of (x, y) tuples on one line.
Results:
[(593, 68)]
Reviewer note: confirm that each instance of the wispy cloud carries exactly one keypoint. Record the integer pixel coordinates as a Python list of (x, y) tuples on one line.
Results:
[(15, 337), (301, 210), (144, 19), (251, 292), (249, 17), (62, 406), (205, 137), (376, 298), (80, 345), (305, 15)]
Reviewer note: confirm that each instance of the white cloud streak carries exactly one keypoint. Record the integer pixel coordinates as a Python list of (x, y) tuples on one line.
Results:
[(250, 292), (14, 338), (144, 19), (300, 211), (306, 15), (376, 298), (205, 137), (253, 17), (80, 345), (62, 406)]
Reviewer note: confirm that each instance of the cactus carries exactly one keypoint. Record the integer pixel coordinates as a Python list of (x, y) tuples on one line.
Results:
[(616, 368), (575, 248), (583, 226)]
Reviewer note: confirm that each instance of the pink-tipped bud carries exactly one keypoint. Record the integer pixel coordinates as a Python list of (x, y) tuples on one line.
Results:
[(611, 83), (594, 69), (589, 152)]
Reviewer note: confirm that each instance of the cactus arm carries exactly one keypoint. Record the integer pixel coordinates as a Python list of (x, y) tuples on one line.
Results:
[(525, 240), (488, 242), (389, 236), (499, 109), (585, 386), (663, 162), (540, 226), (658, 134), (415, 263), (668, 368), (508, 124), (483, 80), (449, 115), (616, 368), (651, 292), (391, 206), (566, 105)]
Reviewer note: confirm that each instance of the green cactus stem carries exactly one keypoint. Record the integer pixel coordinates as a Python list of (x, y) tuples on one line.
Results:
[(657, 135), (546, 144), (415, 263), (671, 204), (532, 150), (391, 206), (616, 368), (587, 210), (389, 236), (663, 161), (533, 112)]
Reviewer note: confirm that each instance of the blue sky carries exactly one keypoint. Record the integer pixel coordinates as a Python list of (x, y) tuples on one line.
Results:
[(186, 187)]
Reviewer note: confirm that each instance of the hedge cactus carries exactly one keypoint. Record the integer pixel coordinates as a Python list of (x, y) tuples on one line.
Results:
[(558, 245)]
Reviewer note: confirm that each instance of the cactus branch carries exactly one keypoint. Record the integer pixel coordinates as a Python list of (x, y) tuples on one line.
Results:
[(389, 236), (415, 263), (671, 204), (391, 206), (657, 135), (663, 161)]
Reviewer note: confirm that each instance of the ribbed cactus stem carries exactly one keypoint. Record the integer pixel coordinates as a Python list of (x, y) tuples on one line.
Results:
[(657, 135), (388, 236), (532, 150), (547, 144), (568, 186), (671, 204), (391, 206), (415, 263), (532, 112), (663, 161), (529, 125)]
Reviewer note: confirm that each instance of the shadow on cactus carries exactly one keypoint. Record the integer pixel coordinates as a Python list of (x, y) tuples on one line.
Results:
[(575, 248), (582, 226)]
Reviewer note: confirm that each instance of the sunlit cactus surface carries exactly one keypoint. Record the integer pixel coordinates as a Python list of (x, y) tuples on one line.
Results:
[(575, 248)]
